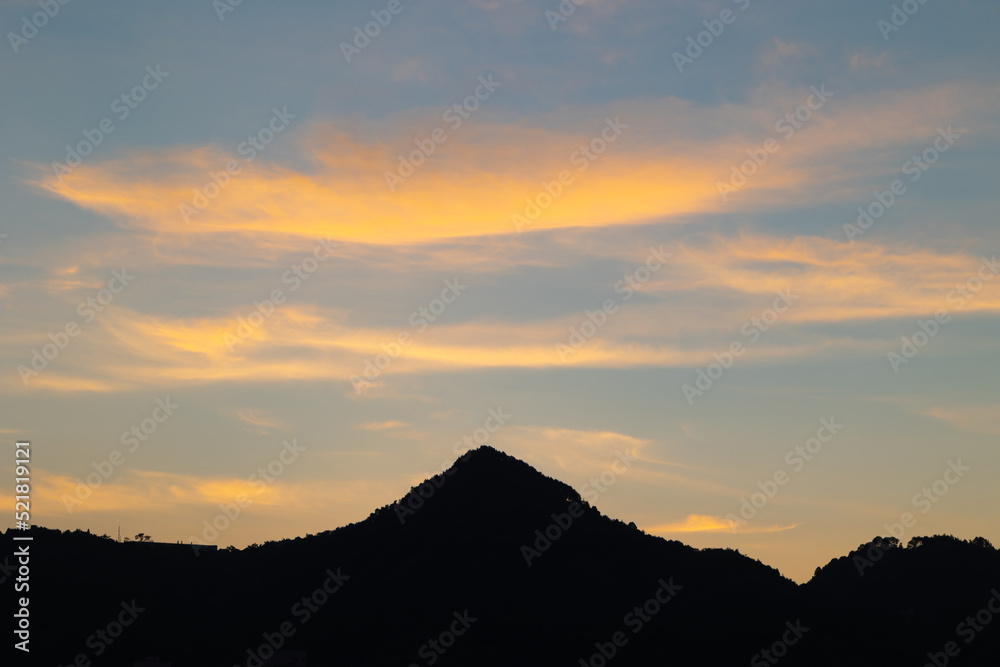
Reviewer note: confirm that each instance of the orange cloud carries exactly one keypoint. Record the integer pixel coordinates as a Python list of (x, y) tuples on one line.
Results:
[(834, 282), (665, 164), (700, 523), (143, 489), (173, 506), (483, 177)]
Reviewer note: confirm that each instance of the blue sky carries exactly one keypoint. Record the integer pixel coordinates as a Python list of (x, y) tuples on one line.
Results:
[(587, 157)]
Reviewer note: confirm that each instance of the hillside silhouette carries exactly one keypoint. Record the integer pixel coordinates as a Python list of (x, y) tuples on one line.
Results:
[(493, 563)]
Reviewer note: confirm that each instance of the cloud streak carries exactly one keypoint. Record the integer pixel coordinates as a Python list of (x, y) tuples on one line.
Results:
[(479, 178), (675, 324), (701, 523)]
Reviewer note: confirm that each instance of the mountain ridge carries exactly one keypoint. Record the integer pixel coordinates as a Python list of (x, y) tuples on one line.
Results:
[(490, 538)]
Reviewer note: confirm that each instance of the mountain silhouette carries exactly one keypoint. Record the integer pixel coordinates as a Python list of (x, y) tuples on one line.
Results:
[(493, 563)]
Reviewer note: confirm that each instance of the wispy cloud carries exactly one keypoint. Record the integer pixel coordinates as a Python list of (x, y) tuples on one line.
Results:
[(382, 426), (260, 421), (480, 178), (977, 418), (163, 492), (701, 523), (835, 282)]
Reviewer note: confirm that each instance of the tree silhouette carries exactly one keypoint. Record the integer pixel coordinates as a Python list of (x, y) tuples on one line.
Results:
[(982, 543), (462, 552)]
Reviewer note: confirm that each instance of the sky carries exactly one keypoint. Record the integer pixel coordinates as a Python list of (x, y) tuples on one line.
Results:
[(727, 268)]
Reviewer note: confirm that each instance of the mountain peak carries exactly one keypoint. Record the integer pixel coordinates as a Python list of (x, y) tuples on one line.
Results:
[(486, 455), (487, 463), (488, 481), (486, 451)]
